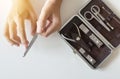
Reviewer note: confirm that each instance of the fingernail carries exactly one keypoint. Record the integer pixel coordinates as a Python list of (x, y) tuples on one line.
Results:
[(33, 33), (26, 46), (46, 35)]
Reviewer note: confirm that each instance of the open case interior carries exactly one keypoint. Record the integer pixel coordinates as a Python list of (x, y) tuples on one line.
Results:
[(93, 45), (108, 24)]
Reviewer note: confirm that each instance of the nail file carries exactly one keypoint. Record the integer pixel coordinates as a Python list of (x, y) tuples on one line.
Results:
[(30, 44)]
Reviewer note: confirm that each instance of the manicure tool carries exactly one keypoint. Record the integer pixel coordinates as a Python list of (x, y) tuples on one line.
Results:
[(97, 33), (84, 47), (101, 17), (97, 42), (111, 14), (30, 44), (87, 56), (95, 13), (76, 38)]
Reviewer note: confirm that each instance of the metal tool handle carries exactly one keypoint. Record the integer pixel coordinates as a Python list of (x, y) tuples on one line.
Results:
[(30, 44)]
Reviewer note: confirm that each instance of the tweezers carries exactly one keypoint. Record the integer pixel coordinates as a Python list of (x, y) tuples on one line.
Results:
[(30, 44)]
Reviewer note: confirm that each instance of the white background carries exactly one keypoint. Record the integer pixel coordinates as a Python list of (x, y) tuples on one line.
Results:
[(51, 58)]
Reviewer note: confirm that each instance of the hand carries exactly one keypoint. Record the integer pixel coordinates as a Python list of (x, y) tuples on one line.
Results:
[(49, 20), (14, 28)]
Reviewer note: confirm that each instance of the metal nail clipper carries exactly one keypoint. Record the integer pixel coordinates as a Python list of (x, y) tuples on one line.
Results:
[(76, 38)]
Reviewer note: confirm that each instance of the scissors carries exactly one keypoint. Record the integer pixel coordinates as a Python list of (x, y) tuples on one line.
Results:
[(30, 44), (95, 13)]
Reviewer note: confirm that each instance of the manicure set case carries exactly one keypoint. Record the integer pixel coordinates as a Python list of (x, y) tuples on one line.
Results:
[(93, 33)]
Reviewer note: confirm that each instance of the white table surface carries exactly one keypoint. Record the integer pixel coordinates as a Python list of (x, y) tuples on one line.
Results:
[(51, 58)]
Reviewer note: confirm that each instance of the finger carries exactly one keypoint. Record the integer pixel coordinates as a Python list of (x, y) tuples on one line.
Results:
[(42, 22), (33, 19), (21, 30), (7, 36), (54, 26), (13, 33), (48, 23)]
